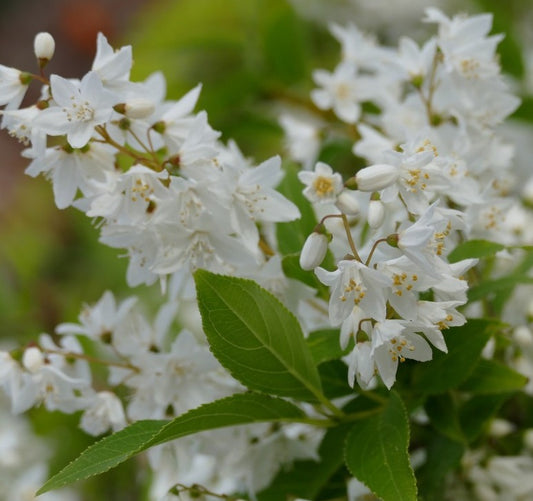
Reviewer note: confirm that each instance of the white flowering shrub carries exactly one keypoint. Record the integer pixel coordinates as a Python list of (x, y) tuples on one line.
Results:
[(320, 334)]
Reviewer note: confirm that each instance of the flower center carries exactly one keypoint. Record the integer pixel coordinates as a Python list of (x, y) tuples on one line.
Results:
[(323, 186)]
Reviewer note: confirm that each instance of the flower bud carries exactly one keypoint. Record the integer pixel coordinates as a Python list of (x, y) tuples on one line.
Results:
[(347, 203), (313, 251), (376, 177), (33, 359), (139, 108), (528, 439), (44, 47), (376, 213), (522, 336), (500, 427)]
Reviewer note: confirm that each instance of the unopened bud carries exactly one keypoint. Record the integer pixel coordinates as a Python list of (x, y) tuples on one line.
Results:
[(500, 427), (376, 213), (347, 203), (376, 177), (313, 251), (528, 439), (393, 239), (522, 336), (44, 47), (136, 108), (33, 359)]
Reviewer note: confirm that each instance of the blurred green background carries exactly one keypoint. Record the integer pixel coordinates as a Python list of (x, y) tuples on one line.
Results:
[(254, 57)]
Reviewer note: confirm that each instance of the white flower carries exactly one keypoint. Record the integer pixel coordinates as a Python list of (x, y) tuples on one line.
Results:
[(12, 89), (100, 320), (342, 91), (105, 411), (113, 67), (361, 366), (80, 108), (323, 185), (392, 344), (354, 284)]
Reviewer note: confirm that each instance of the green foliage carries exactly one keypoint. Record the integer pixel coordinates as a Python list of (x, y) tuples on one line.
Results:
[(255, 337), (114, 449), (447, 371), (292, 235), (306, 478), (474, 248), (491, 376), (443, 454), (376, 453)]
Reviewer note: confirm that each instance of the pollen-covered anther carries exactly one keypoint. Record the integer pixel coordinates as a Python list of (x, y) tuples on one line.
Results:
[(323, 186)]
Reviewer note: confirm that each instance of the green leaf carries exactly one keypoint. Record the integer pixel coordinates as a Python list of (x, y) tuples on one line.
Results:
[(306, 478), (491, 376), (237, 409), (449, 370), (376, 453), (443, 455), (105, 454), (291, 236), (292, 269), (474, 249), (477, 412), (324, 345), (285, 46), (334, 377), (444, 416), (255, 337), (490, 288)]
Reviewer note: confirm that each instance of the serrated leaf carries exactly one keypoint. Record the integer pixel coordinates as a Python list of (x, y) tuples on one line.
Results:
[(474, 249), (237, 409), (491, 376), (105, 454), (255, 337), (449, 370), (376, 453), (443, 415)]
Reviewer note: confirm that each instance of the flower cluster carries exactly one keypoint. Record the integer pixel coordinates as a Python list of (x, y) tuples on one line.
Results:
[(430, 183), (434, 172)]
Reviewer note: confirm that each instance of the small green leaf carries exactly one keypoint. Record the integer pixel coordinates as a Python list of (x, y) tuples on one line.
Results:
[(291, 236), (443, 455), (474, 249), (490, 288), (444, 416), (237, 409), (306, 478), (491, 376), (477, 412), (324, 345), (255, 337), (449, 370), (334, 377), (376, 453)]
